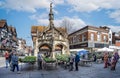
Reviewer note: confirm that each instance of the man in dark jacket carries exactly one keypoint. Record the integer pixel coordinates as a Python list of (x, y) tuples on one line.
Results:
[(14, 61), (77, 59), (71, 61), (39, 60)]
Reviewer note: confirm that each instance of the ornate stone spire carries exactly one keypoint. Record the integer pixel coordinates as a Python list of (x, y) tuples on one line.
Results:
[(51, 17)]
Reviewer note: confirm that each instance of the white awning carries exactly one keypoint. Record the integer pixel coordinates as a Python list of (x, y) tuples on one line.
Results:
[(76, 50), (105, 49), (114, 47)]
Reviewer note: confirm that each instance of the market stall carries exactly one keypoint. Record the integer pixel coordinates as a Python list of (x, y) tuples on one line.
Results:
[(28, 59)]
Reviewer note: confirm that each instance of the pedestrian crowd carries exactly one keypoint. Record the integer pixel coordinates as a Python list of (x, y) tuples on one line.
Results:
[(73, 60), (111, 61), (12, 60)]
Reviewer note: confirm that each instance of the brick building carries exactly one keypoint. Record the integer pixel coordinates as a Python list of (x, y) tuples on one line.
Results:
[(116, 39), (90, 38)]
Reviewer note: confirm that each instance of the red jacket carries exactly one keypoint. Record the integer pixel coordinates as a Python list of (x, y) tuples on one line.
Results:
[(6, 55)]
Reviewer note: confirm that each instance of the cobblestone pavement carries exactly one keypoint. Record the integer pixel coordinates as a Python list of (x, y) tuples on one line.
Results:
[(2, 61), (95, 71)]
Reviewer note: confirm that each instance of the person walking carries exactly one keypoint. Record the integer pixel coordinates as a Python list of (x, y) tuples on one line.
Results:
[(71, 61), (14, 61), (114, 61), (77, 59), (10, 58), (7, 58), (39, 61), (105, 60), (94, 57)]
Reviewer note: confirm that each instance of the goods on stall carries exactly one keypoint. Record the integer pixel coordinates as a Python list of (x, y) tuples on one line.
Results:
[(49, 60), (28, 59)]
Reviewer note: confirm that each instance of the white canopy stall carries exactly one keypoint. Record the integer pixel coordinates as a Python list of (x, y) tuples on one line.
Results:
[(105, 49)]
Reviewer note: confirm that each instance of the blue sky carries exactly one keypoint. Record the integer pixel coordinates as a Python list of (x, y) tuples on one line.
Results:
[(22, 14)]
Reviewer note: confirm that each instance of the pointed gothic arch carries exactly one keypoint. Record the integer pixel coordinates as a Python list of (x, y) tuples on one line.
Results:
[(59, 48), (45, 49)]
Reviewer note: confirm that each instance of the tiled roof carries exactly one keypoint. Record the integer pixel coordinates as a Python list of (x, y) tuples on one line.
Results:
[(41, 28), (62, 29), (34, 29), (2, 23)]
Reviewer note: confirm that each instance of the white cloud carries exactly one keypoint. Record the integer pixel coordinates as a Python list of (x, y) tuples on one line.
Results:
[(83, 5), (77, 5), (115, 28), (25, 5), (115, 15), (97, 5), (58, 1), (43, 19), (73, 5), (93, 5), (0, 3), (77, 22)]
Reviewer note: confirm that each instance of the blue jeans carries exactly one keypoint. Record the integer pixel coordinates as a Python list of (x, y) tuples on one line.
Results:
[(15, 65), (7, 62)]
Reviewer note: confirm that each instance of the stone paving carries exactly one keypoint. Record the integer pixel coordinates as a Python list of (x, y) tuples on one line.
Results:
[(95, 71)]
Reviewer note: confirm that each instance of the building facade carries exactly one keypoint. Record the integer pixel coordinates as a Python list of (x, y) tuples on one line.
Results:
[(90, 38), (116, 39), (50, 40), (21, 46), (8, 37)]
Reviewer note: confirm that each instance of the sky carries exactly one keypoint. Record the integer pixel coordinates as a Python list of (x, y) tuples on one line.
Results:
[(22, 14)]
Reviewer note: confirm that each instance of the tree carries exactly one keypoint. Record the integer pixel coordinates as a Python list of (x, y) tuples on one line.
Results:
[(68, 25)]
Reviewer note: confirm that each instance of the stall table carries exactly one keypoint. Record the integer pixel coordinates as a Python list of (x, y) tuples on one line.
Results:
[(85, 62)]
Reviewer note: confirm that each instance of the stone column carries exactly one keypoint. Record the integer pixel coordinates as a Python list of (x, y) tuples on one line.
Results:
[(36, 48)]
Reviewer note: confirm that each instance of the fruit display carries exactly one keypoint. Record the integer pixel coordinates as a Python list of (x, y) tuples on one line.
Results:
[(28, 59)]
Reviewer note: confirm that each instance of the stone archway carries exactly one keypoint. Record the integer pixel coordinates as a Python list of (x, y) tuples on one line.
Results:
[(59, 48), (45, 49)]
